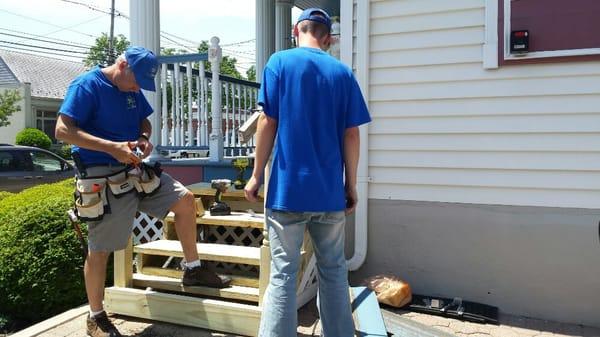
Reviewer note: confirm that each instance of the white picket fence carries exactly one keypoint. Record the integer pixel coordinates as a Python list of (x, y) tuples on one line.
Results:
[(197, 122)]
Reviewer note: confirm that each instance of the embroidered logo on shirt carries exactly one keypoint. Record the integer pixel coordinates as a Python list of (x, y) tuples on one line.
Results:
[(131, 102)]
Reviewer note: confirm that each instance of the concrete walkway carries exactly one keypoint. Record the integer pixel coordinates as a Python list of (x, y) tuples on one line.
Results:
[(398, 322)]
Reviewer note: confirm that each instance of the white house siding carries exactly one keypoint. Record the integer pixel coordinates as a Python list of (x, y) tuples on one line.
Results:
[(446, 129), (17, 120)]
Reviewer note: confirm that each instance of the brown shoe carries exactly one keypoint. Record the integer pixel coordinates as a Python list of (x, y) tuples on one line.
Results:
[(101, 326), (202, 276)]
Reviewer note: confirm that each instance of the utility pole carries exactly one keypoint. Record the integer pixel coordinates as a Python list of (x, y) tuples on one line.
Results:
[(111, 51)]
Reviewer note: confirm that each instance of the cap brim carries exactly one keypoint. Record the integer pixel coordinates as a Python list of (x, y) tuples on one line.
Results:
[(145, 83)]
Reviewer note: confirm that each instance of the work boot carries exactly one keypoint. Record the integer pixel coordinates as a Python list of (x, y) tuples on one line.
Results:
[(202, 276), (101, 326)]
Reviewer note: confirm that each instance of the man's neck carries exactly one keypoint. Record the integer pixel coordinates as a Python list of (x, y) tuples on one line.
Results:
[(110, 72), (310, 42)]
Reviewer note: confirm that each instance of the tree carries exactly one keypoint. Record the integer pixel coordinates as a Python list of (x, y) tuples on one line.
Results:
[(251, 74), (99, 53), (7, 105), (227, 63)]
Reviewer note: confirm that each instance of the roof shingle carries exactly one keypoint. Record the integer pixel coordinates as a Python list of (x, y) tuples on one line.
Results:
[(49, 77)]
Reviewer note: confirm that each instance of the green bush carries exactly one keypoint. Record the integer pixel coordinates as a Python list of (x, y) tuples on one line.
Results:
[(33, 137), (41, 273), (64, 152), (4, 194)]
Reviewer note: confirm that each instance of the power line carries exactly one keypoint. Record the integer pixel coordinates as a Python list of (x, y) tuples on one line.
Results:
[(38, 51), (51, 38), (43, 40), (47, 48), (45, 22)]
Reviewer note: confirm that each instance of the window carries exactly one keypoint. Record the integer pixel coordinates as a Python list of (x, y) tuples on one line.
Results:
[(12, 161), (45, 162), (46, 121), (557, 28)]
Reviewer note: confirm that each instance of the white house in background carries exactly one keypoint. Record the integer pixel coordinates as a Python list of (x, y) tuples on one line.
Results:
[(480, 173), (42, 83)]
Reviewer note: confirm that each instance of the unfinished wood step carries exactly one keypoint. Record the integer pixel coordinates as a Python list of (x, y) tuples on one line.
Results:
[(236, 219), (211, 314), (206, 251), (174, 284), (236, 280)]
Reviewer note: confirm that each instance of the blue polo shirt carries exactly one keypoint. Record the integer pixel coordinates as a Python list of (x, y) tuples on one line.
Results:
[(102, 110), (314, 98)]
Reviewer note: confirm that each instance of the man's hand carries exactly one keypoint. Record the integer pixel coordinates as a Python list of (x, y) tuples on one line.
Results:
[(122, 151), (251, 189), (351, 199), (144, 145)]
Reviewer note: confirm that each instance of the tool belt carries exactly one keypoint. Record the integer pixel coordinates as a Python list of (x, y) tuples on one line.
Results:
[(91, 201)]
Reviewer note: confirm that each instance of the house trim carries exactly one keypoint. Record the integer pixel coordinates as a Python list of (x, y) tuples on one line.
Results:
[(490, 46)]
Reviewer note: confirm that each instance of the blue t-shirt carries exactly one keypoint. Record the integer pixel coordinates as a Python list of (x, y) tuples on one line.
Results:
[(314, 98), (102, 110)]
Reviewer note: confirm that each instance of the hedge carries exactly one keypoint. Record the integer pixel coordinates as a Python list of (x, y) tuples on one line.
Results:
[(33, 137), (41, 273)]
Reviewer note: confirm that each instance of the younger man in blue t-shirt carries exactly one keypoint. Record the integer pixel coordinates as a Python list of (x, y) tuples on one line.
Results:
[(312, 108)]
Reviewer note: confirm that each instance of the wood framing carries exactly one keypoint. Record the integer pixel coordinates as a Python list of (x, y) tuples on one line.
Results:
[(210, 314)]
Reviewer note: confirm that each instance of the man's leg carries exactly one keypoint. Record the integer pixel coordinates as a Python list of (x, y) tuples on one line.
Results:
[(94, 272), (327, 233), (185, 225), (286, 233), (172, 196)]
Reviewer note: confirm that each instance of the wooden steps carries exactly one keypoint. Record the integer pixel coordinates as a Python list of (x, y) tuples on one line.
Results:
[(236, 219), (174, 284), (209, 314), (236, 280), (206, 251)]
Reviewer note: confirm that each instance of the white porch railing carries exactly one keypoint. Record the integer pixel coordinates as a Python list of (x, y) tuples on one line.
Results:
[(196, 123)]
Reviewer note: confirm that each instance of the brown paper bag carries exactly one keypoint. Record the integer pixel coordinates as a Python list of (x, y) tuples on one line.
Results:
[(390, 290)]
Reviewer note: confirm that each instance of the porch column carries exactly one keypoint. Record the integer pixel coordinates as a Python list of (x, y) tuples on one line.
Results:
[(144, 31), (283, 24), (265, 34)]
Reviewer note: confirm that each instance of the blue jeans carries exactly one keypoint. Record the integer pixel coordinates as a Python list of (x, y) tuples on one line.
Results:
[(286, 234)]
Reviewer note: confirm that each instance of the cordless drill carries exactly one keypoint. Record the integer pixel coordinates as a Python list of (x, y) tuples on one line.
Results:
[(219, 207)]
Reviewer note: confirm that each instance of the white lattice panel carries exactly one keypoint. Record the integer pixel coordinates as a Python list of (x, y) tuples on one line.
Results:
[(146, 228)]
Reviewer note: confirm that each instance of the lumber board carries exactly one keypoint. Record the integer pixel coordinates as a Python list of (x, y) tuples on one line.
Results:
[(206, 251), (174, 284), (209, 314)]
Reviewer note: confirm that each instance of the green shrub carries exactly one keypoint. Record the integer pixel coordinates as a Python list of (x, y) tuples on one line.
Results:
[(41, 270), (33, 137), (4, 194), (64, 152)]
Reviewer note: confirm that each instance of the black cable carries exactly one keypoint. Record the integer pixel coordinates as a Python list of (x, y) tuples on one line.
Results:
[(9, 48), (42, 40), (47, 48), (51, 38)]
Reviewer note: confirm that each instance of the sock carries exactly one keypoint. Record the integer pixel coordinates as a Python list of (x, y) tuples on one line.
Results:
[(94, 313), (193, 264)]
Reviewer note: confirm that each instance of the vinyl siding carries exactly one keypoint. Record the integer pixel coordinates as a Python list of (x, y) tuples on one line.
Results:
[(446, 129)]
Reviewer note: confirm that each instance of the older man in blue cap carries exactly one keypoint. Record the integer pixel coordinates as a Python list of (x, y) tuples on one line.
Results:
[(105, 116), (312, 109)]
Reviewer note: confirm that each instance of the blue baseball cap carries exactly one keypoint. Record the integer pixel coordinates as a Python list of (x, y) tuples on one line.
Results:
[(144, 65), (317, 15)]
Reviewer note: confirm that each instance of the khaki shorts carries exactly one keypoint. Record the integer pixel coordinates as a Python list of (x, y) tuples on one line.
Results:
[(113, 231)]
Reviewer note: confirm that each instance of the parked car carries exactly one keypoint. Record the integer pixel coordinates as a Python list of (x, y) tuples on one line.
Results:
[(22, 167)]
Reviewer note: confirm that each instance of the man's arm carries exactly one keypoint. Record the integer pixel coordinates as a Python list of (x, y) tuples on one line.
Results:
[(68, 131), (265, 137), (143, 141), (351, 154)]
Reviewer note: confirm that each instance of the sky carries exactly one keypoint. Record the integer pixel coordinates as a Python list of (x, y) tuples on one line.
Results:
[(184, 23)]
